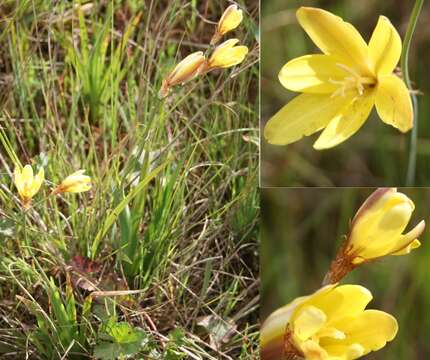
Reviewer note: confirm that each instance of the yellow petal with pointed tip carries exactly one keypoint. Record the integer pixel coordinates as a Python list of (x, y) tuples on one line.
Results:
[(312, 74), (335, 37), (409, 241), (393, 102), (347, 123), (385, 47), (303, 116), (38, 180)]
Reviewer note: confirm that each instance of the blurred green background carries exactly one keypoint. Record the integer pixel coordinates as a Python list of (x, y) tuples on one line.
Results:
[(377, 154), (301, 232)]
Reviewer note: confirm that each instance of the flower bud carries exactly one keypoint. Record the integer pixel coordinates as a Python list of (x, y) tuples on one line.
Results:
[(332, 323), (187, 69), (74, 183), (27, 184), (230, 20), (376, 231), (227, 55)]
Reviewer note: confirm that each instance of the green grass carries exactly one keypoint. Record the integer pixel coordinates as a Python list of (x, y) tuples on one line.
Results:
[(377, 155), (172, 216), (301, 231)]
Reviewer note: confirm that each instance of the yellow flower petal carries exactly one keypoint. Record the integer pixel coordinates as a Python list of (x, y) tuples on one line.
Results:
[(347, 123), (345, 300), (227, 55), (409, 241), (17, 177), (38, 180), (413, 245), (335, 37), (385, 47), (382, 238), (312, 74), (372, 330), (272, 332), (303, 116), (230, 19), (27, 173), (342, 351), (393, 102), (313, 351), (308, 322)]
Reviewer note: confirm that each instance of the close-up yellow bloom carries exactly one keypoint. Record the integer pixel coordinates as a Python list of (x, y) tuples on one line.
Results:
[(341, 86), (230, 20), (27, 184), (331, 324), (227, 55), (74, 183), (184, 71), (377, 231), (377, 228)]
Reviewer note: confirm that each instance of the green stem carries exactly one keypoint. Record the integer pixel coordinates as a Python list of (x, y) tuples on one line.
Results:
[(404, 62)]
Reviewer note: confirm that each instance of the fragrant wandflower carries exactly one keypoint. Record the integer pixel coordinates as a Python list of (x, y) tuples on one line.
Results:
[(226, 55), (74, 183), (27, 184), (332, 323), (184, 71), (341, 86), (377, 231), (230, 20)]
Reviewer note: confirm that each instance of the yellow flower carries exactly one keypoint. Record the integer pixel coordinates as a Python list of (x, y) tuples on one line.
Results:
[(377, 228), (227, 55), (187, 69), (74, 183), (27, 184), (376, 231), (341, 86), (331, 324), (230, 20)]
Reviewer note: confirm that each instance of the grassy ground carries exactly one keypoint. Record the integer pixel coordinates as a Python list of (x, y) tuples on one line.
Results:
[(159, 260), (377, 155), (301, 232)]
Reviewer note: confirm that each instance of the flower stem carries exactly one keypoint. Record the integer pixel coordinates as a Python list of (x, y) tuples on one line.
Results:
[(404, 62)]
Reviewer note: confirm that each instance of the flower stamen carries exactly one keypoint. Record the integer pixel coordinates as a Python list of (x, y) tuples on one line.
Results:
[(354, 81)]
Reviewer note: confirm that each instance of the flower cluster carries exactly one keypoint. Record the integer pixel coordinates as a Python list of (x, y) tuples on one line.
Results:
[(341, 86), (333, 323), (226, 55), (29, 185)]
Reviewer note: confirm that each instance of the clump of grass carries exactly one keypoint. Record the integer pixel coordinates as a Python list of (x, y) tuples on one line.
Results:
[(159, 259)]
